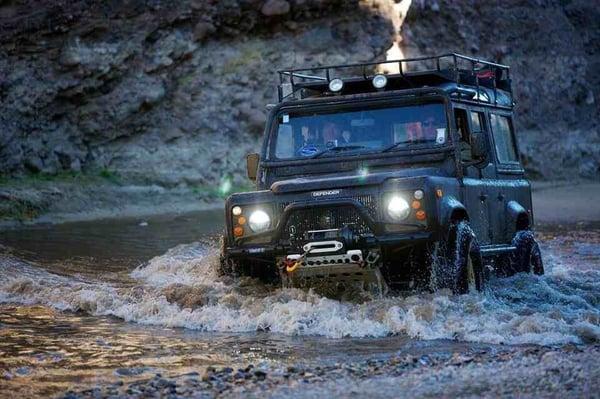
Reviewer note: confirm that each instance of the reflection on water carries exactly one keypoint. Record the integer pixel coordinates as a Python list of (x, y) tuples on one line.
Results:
[(44, 351), (65, 310), (108, 246)]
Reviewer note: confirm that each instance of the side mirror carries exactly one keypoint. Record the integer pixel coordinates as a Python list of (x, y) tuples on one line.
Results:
[(252, 161), (479, 145)]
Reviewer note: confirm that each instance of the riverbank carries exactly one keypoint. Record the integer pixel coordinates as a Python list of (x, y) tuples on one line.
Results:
[(75, 198), (568, 371)]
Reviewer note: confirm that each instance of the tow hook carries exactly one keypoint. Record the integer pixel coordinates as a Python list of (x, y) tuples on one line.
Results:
[(372, 258), (291, 265)]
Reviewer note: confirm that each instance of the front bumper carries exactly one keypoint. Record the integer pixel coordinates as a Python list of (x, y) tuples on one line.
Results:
[(280, 249)]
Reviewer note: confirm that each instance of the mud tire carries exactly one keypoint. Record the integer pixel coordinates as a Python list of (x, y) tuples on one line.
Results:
[(527, 257), (463, 264)]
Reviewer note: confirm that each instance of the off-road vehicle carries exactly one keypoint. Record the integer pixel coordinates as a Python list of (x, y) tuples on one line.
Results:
[(410, 178)]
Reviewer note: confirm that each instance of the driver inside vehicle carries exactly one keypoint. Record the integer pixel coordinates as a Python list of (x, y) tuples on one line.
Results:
[(308, 135), (423, 130), (345, 137)]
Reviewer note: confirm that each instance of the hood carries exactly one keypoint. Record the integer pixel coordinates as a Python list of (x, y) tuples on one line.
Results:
[(337, 180)]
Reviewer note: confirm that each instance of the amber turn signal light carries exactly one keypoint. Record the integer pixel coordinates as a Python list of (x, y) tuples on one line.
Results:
[(238, 231), (421, 215), (416, 205), (241, 220)]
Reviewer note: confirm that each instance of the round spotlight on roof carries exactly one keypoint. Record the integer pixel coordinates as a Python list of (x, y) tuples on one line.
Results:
[(336, 85), (379, 81)]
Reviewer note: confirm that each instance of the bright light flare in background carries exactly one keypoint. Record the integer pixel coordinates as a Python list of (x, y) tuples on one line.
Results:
[(395, 52), (225, 185)]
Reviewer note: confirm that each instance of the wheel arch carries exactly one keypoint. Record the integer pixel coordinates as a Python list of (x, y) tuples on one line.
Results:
[(452, 211), (517, 216)]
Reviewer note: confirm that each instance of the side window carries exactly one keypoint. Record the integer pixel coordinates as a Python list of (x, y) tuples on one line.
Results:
[(505, 145), (462, 127), (478, 121)]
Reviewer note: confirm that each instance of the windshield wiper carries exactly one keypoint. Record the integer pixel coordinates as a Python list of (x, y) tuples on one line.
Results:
[(337, 149), (419, 141)]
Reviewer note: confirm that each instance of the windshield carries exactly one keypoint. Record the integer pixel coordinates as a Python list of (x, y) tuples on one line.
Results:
[(331, 133)]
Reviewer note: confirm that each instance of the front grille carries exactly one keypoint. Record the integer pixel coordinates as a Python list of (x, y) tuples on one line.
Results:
[(307, 219)]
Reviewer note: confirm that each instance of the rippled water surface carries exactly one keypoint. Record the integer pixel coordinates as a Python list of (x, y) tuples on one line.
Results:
[(92, 302)]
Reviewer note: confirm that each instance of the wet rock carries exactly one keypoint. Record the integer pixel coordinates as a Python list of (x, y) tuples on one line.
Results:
[(260, 374), (275, 7), (202, 30), (185, 296)]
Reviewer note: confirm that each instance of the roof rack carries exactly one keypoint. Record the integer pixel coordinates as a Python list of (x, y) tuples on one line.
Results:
[(413, 72)]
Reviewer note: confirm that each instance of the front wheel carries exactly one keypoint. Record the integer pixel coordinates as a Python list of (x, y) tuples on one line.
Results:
[(462, 264), (527, 257)]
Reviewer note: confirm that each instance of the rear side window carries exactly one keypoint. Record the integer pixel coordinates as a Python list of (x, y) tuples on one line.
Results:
[(505, 145)]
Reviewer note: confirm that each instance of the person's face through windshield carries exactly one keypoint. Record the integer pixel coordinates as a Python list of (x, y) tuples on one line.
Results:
[(308, 135), (429, 128), (346, 136)]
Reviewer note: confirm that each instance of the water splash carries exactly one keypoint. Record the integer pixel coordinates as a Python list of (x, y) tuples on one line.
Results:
[(181, 289)]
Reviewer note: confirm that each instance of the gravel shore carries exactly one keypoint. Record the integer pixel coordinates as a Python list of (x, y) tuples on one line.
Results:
[(531, 371)]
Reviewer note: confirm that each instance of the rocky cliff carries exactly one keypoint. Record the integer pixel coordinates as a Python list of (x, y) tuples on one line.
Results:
[(172, 93), (553, 48), (165, 92)]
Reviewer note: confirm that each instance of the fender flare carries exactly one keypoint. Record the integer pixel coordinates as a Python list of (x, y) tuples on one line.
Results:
[(452, 210), (517, 216)]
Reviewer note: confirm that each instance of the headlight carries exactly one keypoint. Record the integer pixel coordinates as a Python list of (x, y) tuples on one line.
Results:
[(259, 221), (398, 208)]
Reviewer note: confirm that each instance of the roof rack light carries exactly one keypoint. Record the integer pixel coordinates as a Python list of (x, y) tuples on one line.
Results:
[(379, 81), (336, 85)]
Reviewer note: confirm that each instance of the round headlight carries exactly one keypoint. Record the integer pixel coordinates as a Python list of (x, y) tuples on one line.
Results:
[(379, 81), (336, 85), (259, 221), (398, 208)]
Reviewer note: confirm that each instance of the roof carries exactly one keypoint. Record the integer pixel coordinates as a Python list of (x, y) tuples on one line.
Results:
[(461, 76)]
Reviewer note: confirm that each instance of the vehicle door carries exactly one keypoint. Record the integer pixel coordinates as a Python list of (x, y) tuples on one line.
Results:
[(511, 184), (477, 179)]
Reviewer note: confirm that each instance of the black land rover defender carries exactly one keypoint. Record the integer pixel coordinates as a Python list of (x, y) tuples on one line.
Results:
[(411, 179)]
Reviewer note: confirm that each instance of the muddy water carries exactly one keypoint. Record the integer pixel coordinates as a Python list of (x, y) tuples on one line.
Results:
[(92, 303)]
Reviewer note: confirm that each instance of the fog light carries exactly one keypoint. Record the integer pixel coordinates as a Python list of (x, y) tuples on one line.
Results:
[(336, 85)]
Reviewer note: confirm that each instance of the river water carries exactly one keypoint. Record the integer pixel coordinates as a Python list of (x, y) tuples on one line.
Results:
[(83, 304)]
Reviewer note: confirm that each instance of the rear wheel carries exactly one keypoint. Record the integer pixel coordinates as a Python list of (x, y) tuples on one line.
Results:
[(460, 266), (527, 257)]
